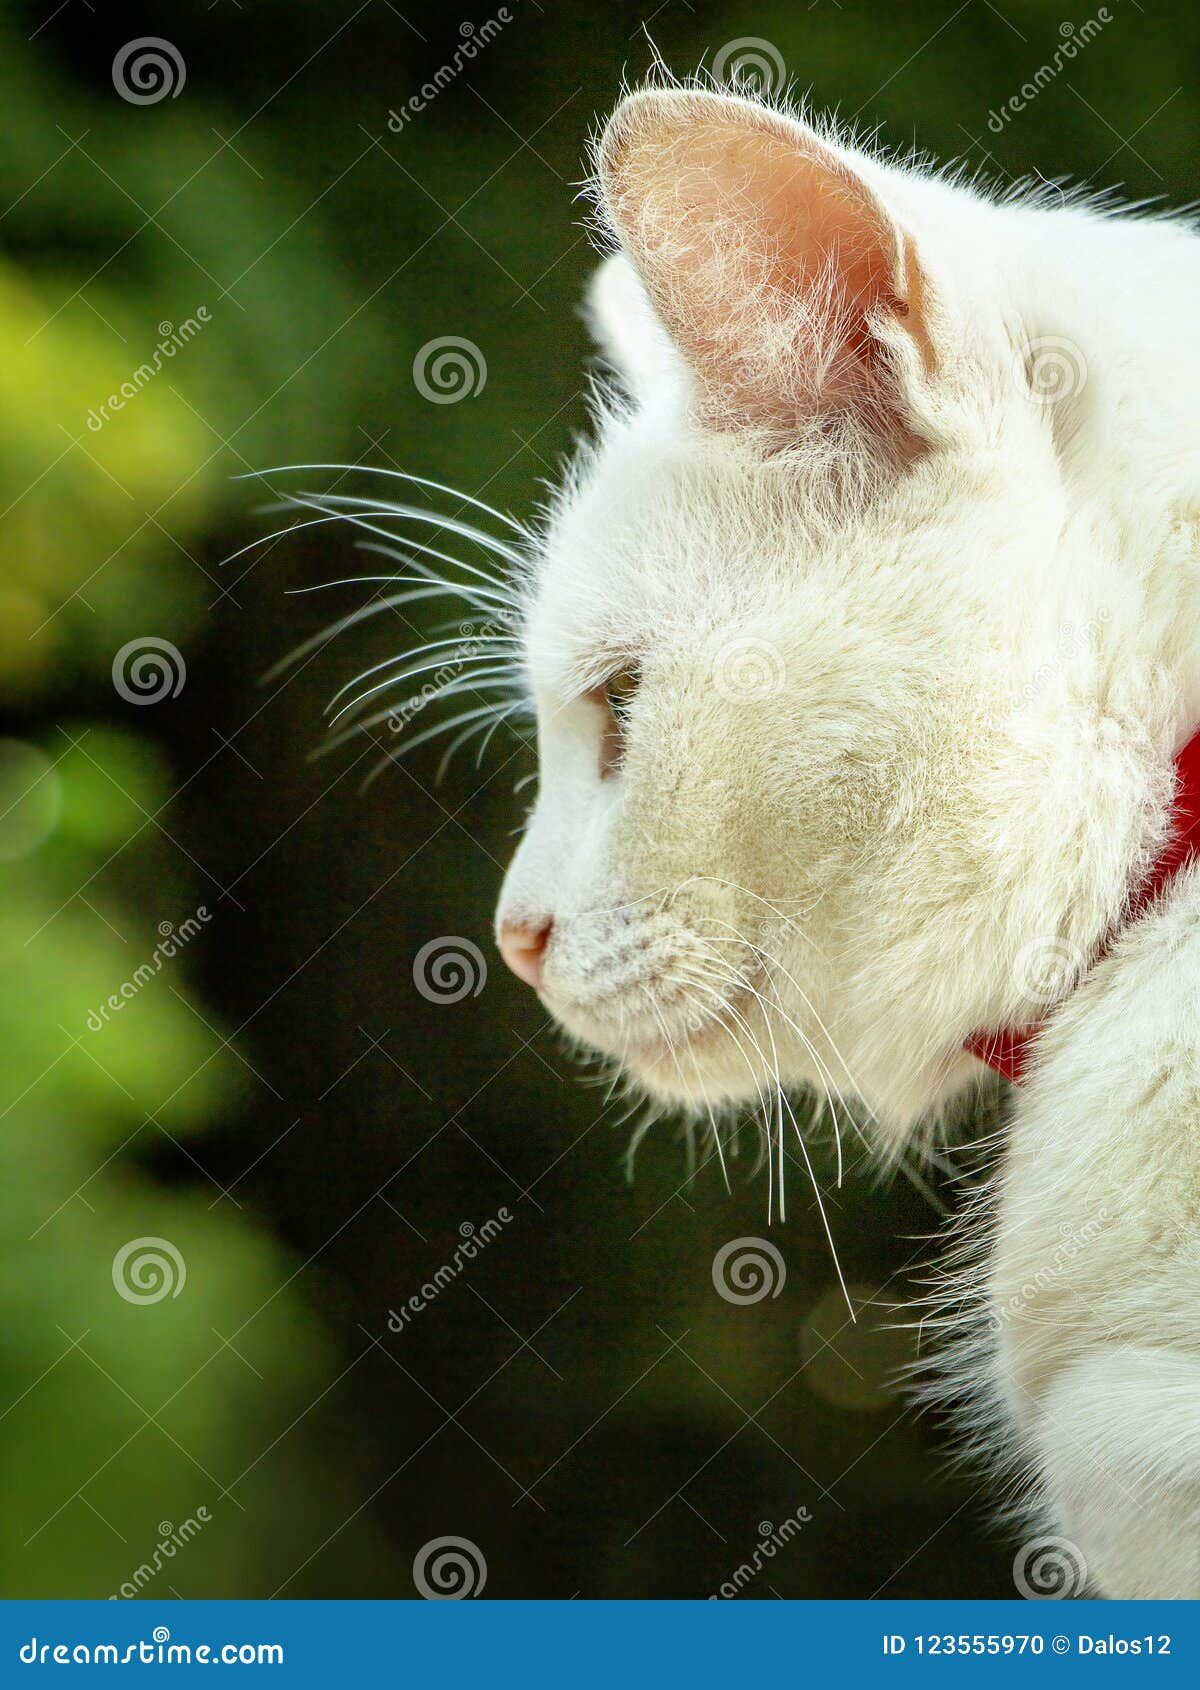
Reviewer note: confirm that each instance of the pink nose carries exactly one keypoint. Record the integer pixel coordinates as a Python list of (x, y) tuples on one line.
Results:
[(523, 947)]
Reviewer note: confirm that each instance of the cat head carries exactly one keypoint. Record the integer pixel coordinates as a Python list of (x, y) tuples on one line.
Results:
[(821, 793)]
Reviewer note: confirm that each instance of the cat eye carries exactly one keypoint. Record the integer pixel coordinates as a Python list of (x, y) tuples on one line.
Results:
[(620, 690), (616, 695)]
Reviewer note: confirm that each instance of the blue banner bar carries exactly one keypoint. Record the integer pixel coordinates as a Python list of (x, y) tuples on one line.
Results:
[(570, 1645)]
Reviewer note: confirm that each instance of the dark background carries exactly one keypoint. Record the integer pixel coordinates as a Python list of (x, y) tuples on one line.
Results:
[(279, 1103)]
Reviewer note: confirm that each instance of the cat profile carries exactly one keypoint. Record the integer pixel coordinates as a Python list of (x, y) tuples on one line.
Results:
[(862, 640)]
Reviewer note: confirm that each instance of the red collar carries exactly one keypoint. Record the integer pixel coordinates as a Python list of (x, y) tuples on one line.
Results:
[(1008, 1051)]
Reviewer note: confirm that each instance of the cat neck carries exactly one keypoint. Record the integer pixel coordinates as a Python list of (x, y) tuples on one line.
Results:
[(1008, 1051)]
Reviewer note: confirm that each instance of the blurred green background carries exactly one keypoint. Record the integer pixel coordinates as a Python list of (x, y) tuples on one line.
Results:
[(290, 1137)]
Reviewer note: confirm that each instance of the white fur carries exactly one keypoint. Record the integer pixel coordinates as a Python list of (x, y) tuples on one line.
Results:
[(975, 613)]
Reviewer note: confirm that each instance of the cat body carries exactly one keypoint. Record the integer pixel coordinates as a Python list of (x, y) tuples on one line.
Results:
[(862, 640)]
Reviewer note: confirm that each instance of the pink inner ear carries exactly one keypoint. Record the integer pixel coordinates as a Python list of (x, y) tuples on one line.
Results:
[(769, 260)]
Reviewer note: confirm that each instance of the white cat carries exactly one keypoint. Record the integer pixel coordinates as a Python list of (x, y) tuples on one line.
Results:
[(862, 642)]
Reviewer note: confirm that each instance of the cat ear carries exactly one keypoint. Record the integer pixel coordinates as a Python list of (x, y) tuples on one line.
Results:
[(630, 337), (784, 281)]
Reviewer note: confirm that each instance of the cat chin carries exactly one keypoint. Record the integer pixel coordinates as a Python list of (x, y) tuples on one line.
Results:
[(682, 1079), (709, 1072), (688, 1072), (698, 1067), (705, 1071)]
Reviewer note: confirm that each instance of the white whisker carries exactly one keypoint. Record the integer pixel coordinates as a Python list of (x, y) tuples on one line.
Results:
[(312, 500), (398, 475), (488, 648)]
